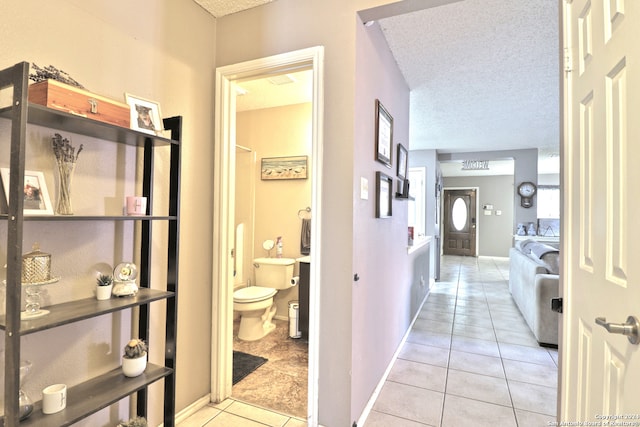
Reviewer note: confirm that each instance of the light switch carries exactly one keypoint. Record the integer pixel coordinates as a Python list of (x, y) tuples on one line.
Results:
[(498, 212)]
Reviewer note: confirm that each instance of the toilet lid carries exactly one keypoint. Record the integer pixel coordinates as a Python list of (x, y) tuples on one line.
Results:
[(253, 293)]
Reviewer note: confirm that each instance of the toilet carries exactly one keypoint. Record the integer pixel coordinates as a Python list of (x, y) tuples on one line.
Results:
[(255, 303)]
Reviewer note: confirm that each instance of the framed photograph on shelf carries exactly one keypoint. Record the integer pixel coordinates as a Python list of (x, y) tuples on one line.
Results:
[(145, 115), (403, 160), (384, 190), (384, 134), (36, 196)]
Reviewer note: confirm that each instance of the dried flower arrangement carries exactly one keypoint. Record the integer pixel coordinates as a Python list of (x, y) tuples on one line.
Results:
[(66, 157), (51, 72), (63, 150)]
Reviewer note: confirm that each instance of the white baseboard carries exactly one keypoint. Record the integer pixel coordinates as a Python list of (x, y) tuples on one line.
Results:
[(191, 409), (376, 392)]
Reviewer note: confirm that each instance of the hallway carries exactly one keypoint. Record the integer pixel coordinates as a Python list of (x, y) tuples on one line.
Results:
[(470, 358)]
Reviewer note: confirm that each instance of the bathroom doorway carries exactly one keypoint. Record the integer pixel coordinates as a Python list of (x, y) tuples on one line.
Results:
[(273, 123), (229, 87)]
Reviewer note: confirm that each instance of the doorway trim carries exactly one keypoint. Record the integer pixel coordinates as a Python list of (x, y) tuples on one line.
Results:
[(224, 208)]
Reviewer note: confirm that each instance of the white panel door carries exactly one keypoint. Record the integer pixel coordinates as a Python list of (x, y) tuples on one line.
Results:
[(601, 233)]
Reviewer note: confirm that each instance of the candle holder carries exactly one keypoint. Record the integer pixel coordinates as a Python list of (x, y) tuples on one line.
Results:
[(36, 272)]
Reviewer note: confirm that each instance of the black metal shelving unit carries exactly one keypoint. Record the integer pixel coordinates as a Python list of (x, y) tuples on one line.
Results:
[(98, 392)]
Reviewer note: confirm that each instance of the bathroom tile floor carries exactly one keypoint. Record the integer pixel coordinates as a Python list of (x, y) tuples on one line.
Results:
[(275, 394), (281, 383), (469, 360)]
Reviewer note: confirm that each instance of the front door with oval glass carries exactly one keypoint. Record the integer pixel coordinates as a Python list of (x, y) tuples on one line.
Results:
[(459, 222)]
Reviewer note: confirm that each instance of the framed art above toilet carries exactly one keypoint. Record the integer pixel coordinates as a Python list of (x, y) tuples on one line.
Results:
[(276, 168)]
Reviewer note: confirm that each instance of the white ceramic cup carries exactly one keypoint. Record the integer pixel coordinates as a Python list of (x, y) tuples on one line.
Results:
[(136, 205), (54, 398)]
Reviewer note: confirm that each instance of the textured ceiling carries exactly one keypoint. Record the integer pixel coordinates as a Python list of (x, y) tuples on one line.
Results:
[(219, 8), (484, 74)]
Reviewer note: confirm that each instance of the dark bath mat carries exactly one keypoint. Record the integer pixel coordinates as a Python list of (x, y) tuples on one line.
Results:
[(244, 364)]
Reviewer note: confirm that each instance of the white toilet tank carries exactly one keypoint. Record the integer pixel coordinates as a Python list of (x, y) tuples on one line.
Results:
[(275, 273)]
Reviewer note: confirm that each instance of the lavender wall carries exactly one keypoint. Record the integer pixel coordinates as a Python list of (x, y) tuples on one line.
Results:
[(385, 298)]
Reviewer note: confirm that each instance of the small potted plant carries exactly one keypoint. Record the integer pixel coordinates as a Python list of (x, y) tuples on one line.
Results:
[(104, 286), (134, 422), (134, 359)]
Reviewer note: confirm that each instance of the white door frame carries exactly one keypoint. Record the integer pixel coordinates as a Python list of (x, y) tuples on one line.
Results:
[(224, 208)]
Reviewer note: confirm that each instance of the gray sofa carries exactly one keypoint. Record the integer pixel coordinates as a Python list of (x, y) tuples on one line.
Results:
[(533, 281)]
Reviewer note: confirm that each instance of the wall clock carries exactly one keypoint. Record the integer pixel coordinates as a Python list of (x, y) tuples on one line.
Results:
[(527, 190)]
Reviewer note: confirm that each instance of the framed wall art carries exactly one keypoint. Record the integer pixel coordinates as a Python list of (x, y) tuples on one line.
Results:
[(403, 160), (274, 168), (384, 190), (36, 196), (145, 115), (384, 134)]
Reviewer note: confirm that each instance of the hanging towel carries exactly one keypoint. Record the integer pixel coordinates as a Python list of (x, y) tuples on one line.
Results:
[(305, 237)]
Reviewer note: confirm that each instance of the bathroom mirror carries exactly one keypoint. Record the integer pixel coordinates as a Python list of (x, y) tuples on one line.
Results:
[(268, 245)]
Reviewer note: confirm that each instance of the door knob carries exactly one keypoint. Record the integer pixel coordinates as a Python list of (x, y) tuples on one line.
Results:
[(630, 328)]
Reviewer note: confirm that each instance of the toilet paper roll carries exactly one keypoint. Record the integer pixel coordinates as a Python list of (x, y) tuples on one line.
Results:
[(295, 280)]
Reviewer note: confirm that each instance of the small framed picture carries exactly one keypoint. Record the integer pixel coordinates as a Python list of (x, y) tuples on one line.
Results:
[(384, 190), (403, 156), (292, 167), (145, 115), (384, 134), (36, 196)]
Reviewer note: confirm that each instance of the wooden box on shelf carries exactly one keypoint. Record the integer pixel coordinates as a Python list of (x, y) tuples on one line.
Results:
[(63, 97)]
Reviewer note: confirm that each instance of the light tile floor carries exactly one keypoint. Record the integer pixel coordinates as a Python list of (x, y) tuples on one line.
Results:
[(234, 413), (469, 360)]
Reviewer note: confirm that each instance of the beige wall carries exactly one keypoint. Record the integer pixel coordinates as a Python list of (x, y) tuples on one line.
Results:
[(167, 51), (160, 50), (284, 26), (361, 323), (274, 132)]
